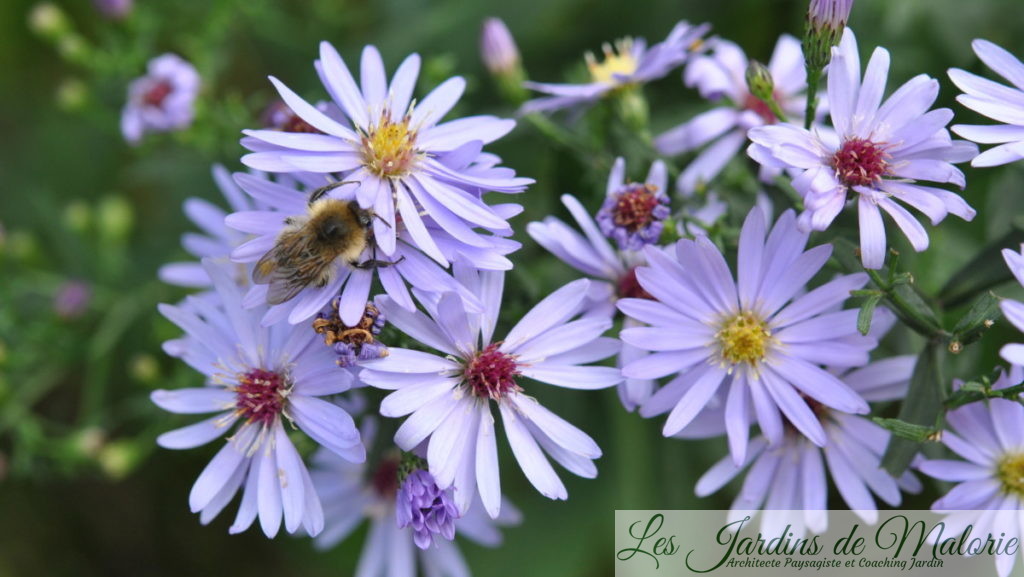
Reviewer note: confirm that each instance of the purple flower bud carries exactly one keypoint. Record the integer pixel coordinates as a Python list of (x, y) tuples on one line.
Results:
[(72, 299), (429, 510), (114, 9), (634, 215), (831, 14), (497, 47)]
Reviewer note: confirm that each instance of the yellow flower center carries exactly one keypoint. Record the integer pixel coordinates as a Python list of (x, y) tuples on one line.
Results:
[(743, 338), (389, 147), (1010, 473), (618, 60)]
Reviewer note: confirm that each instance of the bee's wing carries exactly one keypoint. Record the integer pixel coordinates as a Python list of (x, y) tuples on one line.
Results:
[(289, 267)]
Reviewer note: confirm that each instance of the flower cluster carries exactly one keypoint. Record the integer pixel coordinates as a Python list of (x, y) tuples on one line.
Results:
[(360, 272)]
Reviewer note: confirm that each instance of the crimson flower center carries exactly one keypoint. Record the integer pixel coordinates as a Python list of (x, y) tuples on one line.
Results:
[(761, 108), (629, 287), (492, 374), (260, 395), (861, 162), (634, 207), (156, 95)]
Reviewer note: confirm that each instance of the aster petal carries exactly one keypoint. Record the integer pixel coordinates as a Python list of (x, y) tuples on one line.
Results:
[(793, 407), (573, 377), (913, 230), (248, 509), (562, 339), (310, 114), (446, 446), (819, 385), (737, 417), (533, 462), (954, 471), (767, 412), (872, 234), (776, 292), (372, 78), (750, 257), (417, 325), (424, 422), (968, 495), (339, 82), (226, 494), (850, 485), (556, 428), (999, 155), (403, 83), (194, 400), (710, 162), (814, 486), (687, 335), (726, 469), (697, 132), (327, 423), (553, 310), (990, 134), (455, 133), (488, 480), (759, 479), (1007, 417), (408, 361), (694, 400), (289, 479), (1000, 60), (215, 476), (819, 300), (412, 398), (873, 87), (196, 434)]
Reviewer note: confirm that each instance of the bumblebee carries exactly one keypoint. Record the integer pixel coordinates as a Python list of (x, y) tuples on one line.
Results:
[(307, 250)]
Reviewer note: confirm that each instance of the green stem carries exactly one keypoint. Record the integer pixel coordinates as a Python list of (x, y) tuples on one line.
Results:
[(967, 395), (813, 79)]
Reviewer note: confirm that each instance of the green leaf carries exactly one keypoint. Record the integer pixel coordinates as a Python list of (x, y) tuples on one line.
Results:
[(923, 406), (982, 315), (867, 312)]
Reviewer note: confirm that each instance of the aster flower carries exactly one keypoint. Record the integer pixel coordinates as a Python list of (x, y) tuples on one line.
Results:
[(216, 239), (161, 101), (999, 102), (395, 151), (789, 480), (354, 492), (719, 76), (628, 63), (264, 380), (448, 398), (613, 270), (989, 487), (741, 336), (633, 213), (883, 150), (407, 263)]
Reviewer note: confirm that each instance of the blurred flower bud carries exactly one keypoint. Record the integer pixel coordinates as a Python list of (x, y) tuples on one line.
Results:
[(77, 216), (115, 218), (73, 48), (48, 20), (119, 458), (88, 442), (72, 94), (760, 82), (500, 55), (497, 47), (144, 368), (114, 9), (72, 299), (826, 20)]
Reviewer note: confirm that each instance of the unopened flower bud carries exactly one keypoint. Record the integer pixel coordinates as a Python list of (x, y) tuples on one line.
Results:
[(48, 20), (497, 47), (826, 20), (760, 82), (500, 55)]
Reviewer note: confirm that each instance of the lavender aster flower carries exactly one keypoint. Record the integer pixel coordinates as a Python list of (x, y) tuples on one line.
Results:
[(720, 77), (72, 299), (714, 332), (630, 62), (216, 239), (633, 214), (395, 151), (614, 270), (354, 492), (427, 508), (259, 378), (409, 264), (882, 151), (990, 481), (114, 9), (997, 101), (161, 101), (448, 398), (789, 481)]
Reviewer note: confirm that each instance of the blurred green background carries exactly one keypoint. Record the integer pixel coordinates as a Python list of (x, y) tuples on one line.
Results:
[(83, 489)]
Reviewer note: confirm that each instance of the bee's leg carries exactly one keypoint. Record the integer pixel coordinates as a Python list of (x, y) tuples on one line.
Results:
[(320, 192), (374, 263)]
